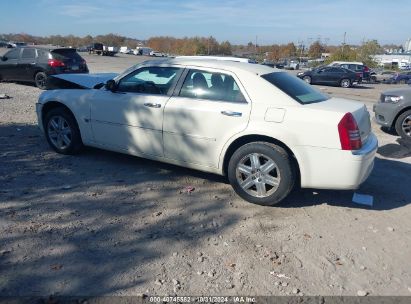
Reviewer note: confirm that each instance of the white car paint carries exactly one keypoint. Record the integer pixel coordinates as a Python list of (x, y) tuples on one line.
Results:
[(185, 132)]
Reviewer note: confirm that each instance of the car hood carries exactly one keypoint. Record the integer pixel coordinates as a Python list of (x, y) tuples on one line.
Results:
[(406, 92), (79, 81)]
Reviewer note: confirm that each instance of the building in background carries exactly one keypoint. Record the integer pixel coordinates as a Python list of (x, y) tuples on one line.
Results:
[(407, 45)]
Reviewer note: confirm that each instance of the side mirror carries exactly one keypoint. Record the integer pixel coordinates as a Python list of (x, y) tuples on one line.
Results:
[(4, 58), (111, 85)]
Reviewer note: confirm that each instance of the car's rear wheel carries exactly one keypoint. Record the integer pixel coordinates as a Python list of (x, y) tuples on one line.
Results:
[(261, 173), (307, 79), (403, 125), (345, 83), (40, 79), (62, 131)]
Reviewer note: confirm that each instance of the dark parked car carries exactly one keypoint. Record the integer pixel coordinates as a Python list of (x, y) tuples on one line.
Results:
[(393, 111), (331, 75), (36, 64), (402, 78)]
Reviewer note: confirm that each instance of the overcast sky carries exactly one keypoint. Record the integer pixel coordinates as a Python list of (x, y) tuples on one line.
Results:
[(238, 21)]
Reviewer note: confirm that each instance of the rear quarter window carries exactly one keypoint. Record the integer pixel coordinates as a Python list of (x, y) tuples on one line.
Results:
[(294, 87)]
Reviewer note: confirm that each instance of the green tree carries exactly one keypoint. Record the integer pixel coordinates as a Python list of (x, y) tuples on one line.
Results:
[(367, 50)]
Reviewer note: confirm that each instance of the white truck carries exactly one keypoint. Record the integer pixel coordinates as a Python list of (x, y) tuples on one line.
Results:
[(125, 50), (109, 50), (142, 50)]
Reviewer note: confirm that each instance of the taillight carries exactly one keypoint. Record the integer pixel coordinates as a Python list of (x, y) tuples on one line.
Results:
[(54, 63), (359, 75), (350, 137)]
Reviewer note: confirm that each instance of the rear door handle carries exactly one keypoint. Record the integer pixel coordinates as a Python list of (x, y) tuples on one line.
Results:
[(232, 113), (152, 105)]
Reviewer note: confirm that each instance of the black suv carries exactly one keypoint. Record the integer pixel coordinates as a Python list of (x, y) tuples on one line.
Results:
[(35, 64)]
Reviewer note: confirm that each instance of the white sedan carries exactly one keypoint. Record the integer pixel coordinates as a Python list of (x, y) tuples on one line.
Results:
[(266, 130)]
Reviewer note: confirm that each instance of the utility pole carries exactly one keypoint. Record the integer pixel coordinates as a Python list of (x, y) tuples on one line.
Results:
[(256, 40), (301, 46), (343, 45)]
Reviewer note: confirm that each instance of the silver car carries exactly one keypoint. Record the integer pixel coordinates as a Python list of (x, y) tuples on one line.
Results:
[(393, 110)]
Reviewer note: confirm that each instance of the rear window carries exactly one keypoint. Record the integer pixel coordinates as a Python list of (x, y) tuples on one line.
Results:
[(64, 54), (295, 87)]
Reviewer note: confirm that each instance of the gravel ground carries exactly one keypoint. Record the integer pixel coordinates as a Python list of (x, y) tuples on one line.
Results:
[(103, 223)]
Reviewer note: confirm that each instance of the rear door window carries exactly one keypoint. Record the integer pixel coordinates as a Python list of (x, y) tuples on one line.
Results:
[(212, 86), (294, 87)]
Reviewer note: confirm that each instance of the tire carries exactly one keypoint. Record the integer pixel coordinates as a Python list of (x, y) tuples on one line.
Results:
[(345, 83), (307, 79), (403, 125), (373, 79), (40, 80), (62, 132), (248, 179)]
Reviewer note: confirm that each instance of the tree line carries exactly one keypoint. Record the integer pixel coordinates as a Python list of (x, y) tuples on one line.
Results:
[(210, 46)]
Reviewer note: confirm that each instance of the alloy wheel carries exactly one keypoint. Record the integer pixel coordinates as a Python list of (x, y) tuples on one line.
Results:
[(258, 175), (406, 125), (59, 132)]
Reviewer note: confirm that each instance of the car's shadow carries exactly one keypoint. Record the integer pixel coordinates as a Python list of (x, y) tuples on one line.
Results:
[(400, 150), (388, 182)]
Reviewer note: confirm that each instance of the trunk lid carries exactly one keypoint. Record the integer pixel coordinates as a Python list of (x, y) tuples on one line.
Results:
[(357, 109)]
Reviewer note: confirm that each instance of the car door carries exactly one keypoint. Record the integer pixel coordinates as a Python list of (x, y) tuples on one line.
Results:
[(26, 64), (321, 76), (131, 117), (335, 75), (8, 64), (199, 119)]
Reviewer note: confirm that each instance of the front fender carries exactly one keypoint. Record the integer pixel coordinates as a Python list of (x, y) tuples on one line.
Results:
[(76, 101)]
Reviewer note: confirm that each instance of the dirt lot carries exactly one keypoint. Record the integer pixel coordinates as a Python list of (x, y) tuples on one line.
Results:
[(102, 223)]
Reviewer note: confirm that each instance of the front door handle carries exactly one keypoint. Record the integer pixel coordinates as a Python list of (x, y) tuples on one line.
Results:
[(231, 113), (152, 105)]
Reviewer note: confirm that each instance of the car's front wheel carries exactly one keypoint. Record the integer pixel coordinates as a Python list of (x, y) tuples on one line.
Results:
[(62, 131), (261, 173), (40, 80), (403, 125), (307, 79)]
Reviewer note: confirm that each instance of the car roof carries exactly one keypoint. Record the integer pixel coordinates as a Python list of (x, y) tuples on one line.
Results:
[(49, 47), (216, 64)]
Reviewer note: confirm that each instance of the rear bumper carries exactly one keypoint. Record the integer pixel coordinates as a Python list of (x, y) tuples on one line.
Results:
[(324, 168)]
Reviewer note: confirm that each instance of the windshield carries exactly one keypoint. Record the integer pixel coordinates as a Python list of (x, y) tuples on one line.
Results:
[(295, 87)]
